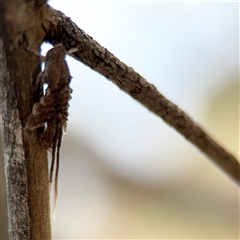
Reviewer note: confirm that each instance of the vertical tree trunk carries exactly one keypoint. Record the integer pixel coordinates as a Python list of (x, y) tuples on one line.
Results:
[(25, 162), (3, 204)]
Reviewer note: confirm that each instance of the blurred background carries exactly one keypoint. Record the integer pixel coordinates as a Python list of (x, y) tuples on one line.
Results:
[(124, 173)]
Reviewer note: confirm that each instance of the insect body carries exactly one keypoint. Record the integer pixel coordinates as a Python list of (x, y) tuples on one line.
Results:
[(52, 109)]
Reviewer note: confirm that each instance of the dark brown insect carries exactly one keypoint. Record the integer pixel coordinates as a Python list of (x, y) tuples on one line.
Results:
[(52, 109)]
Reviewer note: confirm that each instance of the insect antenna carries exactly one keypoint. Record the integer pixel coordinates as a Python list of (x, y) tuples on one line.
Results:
[(58, 137), (54, 145)]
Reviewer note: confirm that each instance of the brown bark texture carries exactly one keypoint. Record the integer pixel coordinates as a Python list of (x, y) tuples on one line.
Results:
[(3, 199), (91, 53), (25, 161)]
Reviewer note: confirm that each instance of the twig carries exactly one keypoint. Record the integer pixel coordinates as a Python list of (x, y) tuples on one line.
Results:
[(91, 53)]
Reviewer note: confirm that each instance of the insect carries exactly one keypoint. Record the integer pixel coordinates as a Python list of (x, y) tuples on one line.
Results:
[(52, 109)]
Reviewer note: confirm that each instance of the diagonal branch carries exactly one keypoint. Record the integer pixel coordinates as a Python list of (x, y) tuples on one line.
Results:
[(60, 28)]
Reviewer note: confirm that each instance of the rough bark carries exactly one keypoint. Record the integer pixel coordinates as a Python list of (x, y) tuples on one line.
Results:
[(3, 202), (61, 29), (25, 162)]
